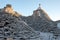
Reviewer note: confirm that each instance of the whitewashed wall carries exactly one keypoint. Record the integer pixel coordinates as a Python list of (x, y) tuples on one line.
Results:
[(58, 25)]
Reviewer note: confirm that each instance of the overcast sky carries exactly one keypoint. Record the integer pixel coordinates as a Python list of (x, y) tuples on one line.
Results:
[(26, 7)]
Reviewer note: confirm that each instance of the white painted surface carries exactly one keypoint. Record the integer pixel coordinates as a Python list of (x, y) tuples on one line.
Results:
[(9, 38), (58, 25)]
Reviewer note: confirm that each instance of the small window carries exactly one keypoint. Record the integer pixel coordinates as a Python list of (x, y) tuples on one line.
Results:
[(6, 23), (6, 30), (1, 26), (5, 38), (22, 38), (8, 33)]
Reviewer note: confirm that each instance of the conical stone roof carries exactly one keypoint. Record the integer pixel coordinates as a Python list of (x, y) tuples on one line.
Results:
[(14, 27), (41, 13)]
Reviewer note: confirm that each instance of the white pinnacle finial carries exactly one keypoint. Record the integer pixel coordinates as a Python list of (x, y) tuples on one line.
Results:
[(39, 5)]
